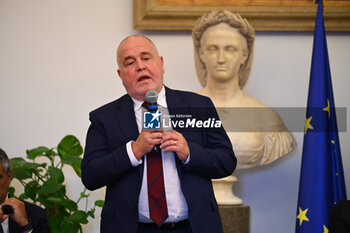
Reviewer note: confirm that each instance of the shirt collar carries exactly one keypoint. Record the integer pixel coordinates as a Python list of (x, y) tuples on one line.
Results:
[(161, 100)]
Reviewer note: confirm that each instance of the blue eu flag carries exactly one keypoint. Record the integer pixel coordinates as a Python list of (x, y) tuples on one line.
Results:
[(321, 179)]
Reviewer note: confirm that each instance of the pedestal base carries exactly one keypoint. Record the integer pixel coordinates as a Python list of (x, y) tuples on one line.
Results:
[(224, 193), (235, 219)]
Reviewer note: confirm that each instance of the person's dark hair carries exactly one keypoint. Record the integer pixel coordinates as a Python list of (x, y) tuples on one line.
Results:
[(4, 160)]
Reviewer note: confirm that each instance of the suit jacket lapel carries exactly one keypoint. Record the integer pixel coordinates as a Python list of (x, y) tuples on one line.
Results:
[(176, 105), (127, 120), (13, 227), (173, 101), (126, 113)]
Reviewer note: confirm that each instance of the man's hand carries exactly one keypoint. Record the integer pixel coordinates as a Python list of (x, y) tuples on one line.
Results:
[(174, 141), (2, 216), (144, 143), (19, 211)]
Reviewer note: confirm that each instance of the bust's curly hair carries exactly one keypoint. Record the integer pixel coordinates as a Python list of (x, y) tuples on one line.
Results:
[(234, 20)]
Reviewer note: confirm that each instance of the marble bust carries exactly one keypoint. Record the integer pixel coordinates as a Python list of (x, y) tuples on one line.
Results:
[(223, 46), (223, 52)]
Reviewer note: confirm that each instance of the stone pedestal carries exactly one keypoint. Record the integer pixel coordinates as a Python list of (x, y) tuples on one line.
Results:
[(235, 218), (223, 190)]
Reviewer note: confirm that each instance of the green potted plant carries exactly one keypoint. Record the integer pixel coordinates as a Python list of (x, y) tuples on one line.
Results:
[(44, 184)]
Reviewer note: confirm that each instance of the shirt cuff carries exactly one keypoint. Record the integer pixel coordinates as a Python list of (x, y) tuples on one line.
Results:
[(133, 160), (188, 158)]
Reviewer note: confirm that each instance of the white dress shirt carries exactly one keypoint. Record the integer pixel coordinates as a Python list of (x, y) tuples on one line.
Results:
[(177, 206), (5, 225)]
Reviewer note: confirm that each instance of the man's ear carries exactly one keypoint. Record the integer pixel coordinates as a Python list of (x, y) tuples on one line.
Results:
[(9, 175), (118, 71), (162, 62)]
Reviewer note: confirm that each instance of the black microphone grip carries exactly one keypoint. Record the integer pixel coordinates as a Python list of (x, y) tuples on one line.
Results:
[(7, 209), (153, 107), (151, 98)]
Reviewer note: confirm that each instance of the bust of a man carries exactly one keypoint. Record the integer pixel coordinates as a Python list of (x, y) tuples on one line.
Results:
[(223, 45)]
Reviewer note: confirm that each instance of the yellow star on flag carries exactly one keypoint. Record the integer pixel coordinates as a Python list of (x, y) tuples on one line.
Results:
[(302, 216), (308, 124), (327, 109), (325, 229)]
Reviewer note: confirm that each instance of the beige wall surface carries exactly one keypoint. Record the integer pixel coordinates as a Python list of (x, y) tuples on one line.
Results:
[(57, 63)]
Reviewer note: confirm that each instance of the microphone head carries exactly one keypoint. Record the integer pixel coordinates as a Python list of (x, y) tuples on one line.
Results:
[(152, 97)]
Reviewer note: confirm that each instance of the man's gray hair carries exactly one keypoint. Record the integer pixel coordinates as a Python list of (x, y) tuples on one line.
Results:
[(134, 35), (4, 160)]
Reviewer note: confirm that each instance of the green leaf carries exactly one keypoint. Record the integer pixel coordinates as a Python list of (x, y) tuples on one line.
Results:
[(99, 203), (23, 196), (68, 227), (39, 170), (59, 223), (50, 187), (61, 192), (39, 151), (19, 169), (74, 162), (54, 209), (79, 217), (91, 213), (31, 190), (70, 145), (66, 203), (84, 195), (43, 198), (69, 204), (55, 221), (23, 170), (56, 174), (11, 191)]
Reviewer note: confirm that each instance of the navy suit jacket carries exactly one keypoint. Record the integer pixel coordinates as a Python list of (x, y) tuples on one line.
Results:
[(106, 162), (36, 215), (340, 217)]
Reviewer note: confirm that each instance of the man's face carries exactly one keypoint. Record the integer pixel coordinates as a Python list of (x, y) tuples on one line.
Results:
[(5, 180), (223, 50), (140, 67)]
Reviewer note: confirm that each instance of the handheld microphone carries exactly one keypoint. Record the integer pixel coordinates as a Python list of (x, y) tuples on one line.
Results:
[(151, 99), (7, 209)]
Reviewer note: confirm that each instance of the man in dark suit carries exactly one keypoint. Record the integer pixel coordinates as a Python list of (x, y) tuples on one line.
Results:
[(340, 217), (118, 153), (26, 217)]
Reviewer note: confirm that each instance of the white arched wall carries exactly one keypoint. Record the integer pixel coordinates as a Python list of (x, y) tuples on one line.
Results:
[(57, 63)]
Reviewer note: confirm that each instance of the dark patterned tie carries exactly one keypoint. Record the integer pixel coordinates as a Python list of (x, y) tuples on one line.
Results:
[(155, 182)]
